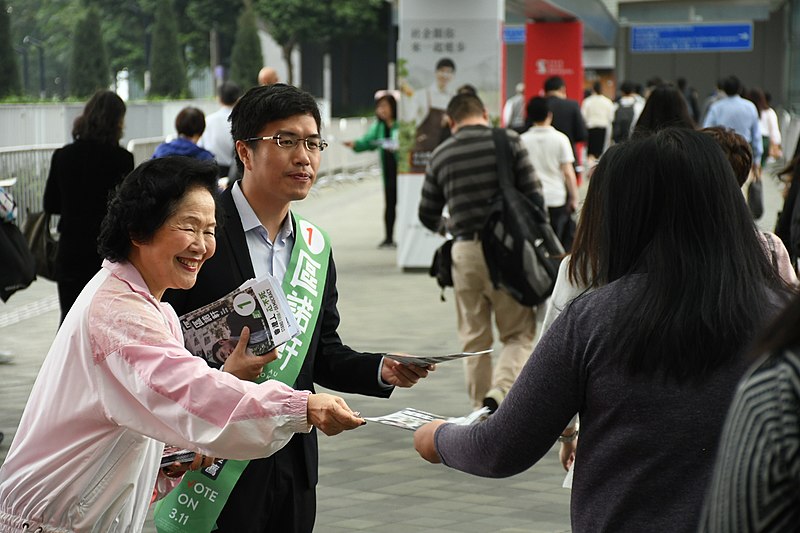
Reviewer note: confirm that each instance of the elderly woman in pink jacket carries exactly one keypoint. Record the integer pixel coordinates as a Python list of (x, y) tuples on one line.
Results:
[(117, 382)]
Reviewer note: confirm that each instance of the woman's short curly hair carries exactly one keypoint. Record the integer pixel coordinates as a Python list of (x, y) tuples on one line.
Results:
[(147, 197)]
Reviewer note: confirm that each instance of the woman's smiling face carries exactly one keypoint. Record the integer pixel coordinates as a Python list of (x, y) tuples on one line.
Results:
[(173, 257)]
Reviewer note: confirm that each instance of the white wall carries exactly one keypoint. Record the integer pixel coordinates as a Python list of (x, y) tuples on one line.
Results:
[(36, 124)]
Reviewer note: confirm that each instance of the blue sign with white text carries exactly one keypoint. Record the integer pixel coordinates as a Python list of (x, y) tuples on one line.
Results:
[(514, 34), (736, 37)]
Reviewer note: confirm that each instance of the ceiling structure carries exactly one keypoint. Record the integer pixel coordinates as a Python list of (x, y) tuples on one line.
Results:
[(602, 18)]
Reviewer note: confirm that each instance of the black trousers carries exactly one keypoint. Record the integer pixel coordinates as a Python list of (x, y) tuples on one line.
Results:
[(563, 226), (272, 496), (390, 195)]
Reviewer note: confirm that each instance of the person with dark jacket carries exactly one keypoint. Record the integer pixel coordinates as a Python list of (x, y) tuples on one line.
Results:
[(276, 129), (651, 359), (81, 176), (567, 117), (788, 225)]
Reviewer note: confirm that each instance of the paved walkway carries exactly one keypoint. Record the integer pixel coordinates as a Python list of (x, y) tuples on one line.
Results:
[(371, 479)]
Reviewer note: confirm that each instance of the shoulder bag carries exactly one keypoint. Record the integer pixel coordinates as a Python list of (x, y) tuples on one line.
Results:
[(42, 244)]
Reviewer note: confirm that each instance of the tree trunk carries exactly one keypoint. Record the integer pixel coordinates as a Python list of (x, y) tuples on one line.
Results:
[(344, 75)]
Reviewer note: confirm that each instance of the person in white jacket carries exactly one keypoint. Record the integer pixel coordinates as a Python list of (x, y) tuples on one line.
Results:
[(118, 383)]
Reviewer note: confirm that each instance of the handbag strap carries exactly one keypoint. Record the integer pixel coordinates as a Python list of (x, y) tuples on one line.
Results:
[(503, 156)]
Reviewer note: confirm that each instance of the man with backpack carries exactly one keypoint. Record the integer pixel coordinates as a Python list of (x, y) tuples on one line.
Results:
[(626, 113), (462, 175)]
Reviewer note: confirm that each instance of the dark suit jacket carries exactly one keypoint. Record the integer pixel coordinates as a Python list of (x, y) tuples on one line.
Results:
[(328, 363), (567, 119)]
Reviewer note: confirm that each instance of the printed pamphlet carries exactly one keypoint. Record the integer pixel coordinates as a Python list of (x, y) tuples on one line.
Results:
[(212, 331), (424, 360), (411, 419), (172, 454)]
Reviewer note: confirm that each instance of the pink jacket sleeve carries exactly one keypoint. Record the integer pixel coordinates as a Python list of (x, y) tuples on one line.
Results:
[(150, 383)]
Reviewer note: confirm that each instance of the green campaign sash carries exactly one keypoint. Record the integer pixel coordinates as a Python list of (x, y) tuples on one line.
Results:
[(194, 505)]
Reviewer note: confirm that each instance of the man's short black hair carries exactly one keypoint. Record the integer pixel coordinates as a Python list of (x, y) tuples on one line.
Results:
[(553, 83), (732, 86), (538, 109), (628, 87), (444, 63), (147, 197), (269, 103), (190, 122), (229, 92)]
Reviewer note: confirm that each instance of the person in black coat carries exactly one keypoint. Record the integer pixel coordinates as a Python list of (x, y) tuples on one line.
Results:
[(567, 117), (82, 174), (276, 132)]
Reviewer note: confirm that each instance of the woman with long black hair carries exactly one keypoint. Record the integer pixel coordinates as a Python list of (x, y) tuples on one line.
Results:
[(650, 360)]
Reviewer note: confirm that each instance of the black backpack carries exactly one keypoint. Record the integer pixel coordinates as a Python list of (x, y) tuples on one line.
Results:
[(623, 119), (520, 247)]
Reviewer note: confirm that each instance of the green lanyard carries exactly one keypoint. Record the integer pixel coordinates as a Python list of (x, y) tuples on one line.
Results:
[(194, 505)]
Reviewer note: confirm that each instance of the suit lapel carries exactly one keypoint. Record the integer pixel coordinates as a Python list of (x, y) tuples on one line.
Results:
[(234, 234)]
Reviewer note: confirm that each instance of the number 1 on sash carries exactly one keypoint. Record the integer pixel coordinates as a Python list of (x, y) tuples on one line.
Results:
[(309, 230)]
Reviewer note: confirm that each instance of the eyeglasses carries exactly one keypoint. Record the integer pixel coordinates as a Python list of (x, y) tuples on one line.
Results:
[(290, 141)]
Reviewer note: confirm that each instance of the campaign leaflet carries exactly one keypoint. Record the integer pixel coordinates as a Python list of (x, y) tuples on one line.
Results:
[(212, 331), (424, 360), (411, 419)]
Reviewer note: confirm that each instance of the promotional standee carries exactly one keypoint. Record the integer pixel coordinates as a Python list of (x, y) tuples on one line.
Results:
[(554, 49), (443, 45)]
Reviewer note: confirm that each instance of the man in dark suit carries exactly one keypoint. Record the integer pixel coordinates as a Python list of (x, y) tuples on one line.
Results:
[(276, 131), (567, 117)]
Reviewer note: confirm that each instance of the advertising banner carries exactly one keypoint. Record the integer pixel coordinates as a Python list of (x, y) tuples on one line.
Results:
[(444, 46), (554, 49)]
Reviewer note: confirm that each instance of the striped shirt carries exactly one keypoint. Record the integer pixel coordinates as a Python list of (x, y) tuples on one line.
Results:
[(462, 174), (756, 483)]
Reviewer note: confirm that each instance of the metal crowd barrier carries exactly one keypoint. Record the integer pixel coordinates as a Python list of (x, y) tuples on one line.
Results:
[(31, 164)]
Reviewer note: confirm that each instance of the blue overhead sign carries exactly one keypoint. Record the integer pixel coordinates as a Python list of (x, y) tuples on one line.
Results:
[(514, 34), (736, 37)]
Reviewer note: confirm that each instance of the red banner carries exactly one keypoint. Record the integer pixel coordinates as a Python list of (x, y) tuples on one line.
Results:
[(554, 49)]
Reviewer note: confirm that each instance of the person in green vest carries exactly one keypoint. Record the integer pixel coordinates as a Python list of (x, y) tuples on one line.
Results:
[(383, 136), (276, 129)]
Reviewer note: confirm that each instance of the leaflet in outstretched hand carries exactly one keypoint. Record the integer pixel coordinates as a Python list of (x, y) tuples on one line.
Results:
[(412, 419), (424, 360), (212, 331)]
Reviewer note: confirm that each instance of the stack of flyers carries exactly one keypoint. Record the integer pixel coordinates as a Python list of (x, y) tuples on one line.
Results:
[(174, 454), (212, 331)]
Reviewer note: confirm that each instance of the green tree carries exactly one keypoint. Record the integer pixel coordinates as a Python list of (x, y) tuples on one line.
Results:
[(291, 22), (167, 70), (9, 74), (89, 66), (246, 58), (201, 16)]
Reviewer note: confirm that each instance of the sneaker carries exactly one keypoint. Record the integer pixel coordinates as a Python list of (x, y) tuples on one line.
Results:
[(493, 399), (6, 358), (387, 244)]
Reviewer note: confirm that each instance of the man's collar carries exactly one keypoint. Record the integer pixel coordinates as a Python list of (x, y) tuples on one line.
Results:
[(248, 216)]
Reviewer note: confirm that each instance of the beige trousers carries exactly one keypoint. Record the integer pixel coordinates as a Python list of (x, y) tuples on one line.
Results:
[(476, 299)]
